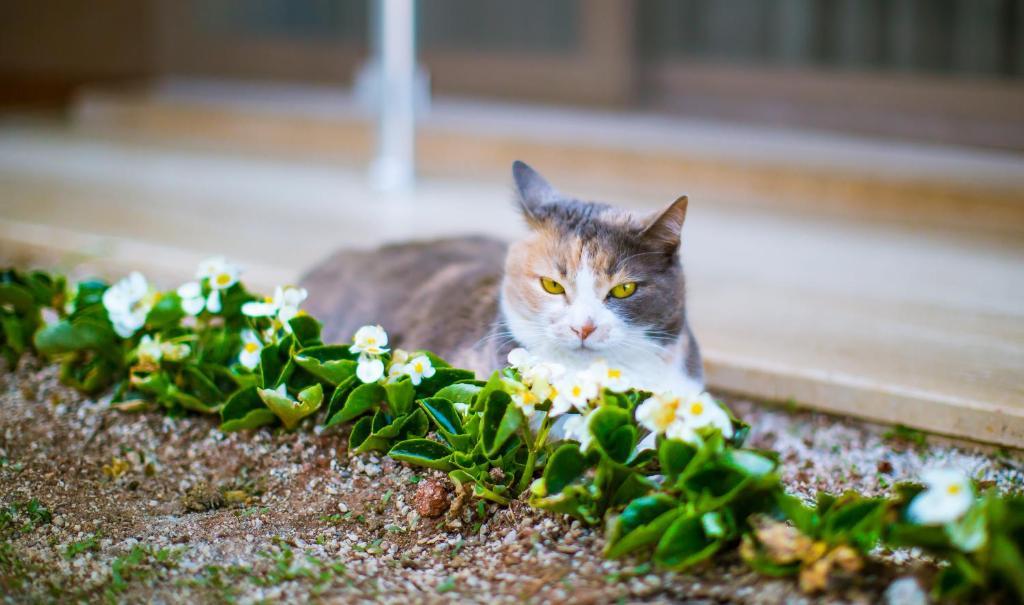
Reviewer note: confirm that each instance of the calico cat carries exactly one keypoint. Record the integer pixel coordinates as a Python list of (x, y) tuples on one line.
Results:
[(589, 282)]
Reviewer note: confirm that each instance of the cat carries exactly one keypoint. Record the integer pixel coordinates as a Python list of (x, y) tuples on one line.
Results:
[(589, 282)]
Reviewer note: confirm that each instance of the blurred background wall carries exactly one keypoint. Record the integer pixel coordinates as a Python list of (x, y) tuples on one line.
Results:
[(929, 70)]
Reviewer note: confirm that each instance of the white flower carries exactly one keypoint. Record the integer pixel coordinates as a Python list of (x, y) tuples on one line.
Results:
[(148, 351), (287, 300), (702, 410), (213, 301), (371, 340), (418, 368), (662, 413), (289, 296), (259, 308), (520, 359), (192, 301), (220, 275), (127, 303), (151, 350), (283, 306), (607, 377), (681, 431), (399, 357), (540, 379), (658, 412), (369, 369), (947, 497), (219, 271), (175, 351), (524, 398), (252, 346), (577, 427), (573, 392)]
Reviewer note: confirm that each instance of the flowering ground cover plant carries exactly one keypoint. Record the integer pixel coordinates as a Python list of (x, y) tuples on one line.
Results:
[(667, 474)]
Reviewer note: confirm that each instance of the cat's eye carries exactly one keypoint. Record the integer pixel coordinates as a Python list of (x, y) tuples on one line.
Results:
[(624, 290), (551, 286)]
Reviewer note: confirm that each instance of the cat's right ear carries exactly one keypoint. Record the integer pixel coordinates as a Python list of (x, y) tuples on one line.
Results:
[(532, 191)]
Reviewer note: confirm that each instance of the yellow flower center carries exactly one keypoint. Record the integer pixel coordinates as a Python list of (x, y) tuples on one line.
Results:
[(614, 374), (418, 367), (223, 279), (696, 408), (300, 313), (577, 390), (251, 347), (268, 299), (667, 414), (371, 340), (554, 393), (953, 489)]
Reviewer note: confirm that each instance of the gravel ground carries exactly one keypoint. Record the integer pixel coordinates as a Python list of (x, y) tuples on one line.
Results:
[(147, 508)]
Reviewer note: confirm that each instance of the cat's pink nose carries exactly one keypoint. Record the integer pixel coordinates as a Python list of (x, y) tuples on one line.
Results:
[(585, 330)]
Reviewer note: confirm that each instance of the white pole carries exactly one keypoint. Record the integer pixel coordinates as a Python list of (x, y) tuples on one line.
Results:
[(394, 167)]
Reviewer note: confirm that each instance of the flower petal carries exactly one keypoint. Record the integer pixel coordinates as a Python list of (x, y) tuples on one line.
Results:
[(370, 370), (193, 306), (190, 289), (213, 302)]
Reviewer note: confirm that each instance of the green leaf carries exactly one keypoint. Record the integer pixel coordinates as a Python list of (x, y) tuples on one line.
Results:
[(401, 396), (338, 398), (271, 366), (442, 377), (191, 402), (674, 455), (14, 333), (18, 297), (460, 392), (480, 490), (490, 424), (69, 336), (306, 330), (970, 533), (362, 399), (444, 414), (511, 423), (632, 486), (165, 313), (641, 524), (494, 384), (749, 463), (613, 432), (684, 543), (857, 518), (289, 410), (423, 452), (360, 433), (328, 363), (564, 467), (576, 500), (245, 410), (1008, 560)]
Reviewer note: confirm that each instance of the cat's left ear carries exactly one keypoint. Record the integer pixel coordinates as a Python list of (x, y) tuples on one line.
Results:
[(533, 190), (665, 229)]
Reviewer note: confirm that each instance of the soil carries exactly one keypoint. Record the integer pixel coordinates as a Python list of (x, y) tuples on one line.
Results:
[(147, 508)]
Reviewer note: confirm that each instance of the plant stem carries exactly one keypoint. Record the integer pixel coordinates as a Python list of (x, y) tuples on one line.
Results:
[(531, 457)]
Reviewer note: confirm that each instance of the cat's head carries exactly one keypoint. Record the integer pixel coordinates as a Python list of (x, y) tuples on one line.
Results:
[(593, 281)]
